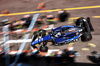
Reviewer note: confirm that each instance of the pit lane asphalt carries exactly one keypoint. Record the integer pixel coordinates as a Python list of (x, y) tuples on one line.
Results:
[(25, 5)]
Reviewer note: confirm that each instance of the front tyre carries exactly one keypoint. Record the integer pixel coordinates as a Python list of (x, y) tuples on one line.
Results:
[(35, 36), (43, 48), (86, 37), (42, 33)]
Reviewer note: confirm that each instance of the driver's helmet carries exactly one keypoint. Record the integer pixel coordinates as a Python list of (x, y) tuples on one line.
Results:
[(63, 31), (58, 34)]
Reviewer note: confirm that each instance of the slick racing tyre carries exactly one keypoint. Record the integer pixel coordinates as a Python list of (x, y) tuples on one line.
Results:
[(43, 48), (90, 25), (82, 22), (86, 37), (42, 32), (79, 22), (35, 36)]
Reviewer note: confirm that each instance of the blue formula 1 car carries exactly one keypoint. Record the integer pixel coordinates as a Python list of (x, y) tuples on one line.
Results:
[(64, 34)]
